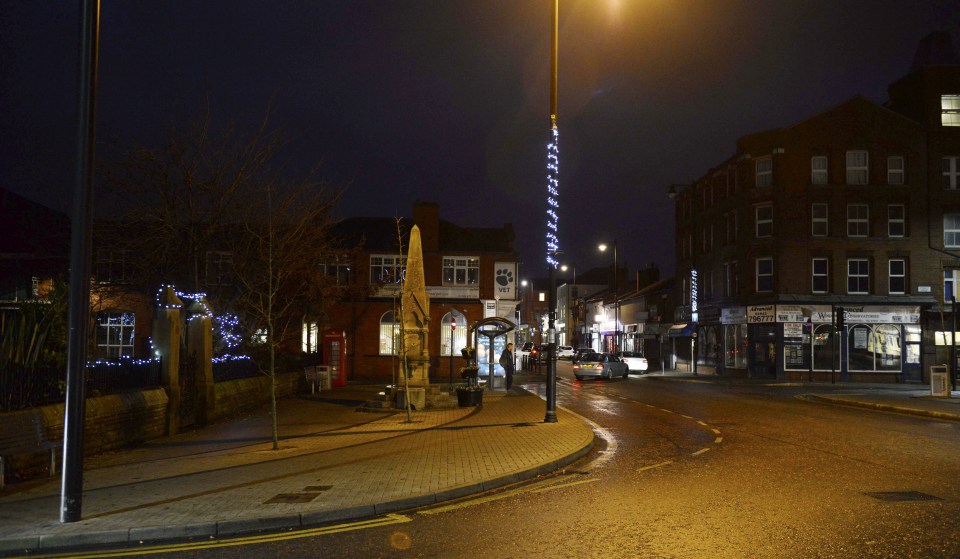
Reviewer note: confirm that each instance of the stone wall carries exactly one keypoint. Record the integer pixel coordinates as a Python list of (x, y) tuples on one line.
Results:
[(132, 418)]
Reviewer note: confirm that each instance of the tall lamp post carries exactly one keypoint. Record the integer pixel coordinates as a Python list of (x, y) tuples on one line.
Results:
[(616, 297), (571, 320), (553, 206)]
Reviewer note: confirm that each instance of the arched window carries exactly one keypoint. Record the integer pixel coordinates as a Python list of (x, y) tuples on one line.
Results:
[(390, 330), (458, 334), (825, 356), (874, 348)]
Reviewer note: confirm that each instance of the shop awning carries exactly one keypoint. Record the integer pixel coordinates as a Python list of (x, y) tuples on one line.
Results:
[(682, 330)]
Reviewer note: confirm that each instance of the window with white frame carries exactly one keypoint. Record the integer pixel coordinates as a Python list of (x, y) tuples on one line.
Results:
[(858, 166), (820, 226), (731, 287), (219, 267), (951, 172), (950, 109), (951, 230), (764, 221), (453, 327), (764, 275), (387, 269), (818, 169), (858, 220), (821, 275), (951, 279), (461, 270), (764, 171), (858, 276), (390, 330), (115, 330), (895, 170), (896, 220), (897, 269)]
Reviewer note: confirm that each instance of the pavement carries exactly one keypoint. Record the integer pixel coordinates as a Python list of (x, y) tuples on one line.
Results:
[(335, 464)]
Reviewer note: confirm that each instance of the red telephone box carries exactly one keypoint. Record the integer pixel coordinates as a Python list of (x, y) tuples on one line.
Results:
[(335, 356)]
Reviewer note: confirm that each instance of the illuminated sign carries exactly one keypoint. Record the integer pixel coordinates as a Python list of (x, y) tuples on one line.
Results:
[(693, 295)]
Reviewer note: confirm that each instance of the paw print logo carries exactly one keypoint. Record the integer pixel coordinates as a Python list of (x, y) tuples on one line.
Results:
[(504, 277)]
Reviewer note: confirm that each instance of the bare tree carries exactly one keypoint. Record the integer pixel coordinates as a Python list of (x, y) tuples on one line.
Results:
[(279, 250)]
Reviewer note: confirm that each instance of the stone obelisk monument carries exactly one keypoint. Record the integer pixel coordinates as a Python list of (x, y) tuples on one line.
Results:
[(416, 315)]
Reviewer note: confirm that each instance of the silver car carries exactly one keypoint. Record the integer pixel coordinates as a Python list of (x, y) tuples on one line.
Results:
[(599, 365)]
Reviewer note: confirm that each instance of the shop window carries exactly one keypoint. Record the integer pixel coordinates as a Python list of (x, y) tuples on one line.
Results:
[(735, 346), (826, 357), (390, 328), (874, 347), (115, 332), (453, 326), (950, 283)]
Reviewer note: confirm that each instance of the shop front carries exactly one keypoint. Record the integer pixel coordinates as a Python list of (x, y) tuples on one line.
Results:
[(811, 342)]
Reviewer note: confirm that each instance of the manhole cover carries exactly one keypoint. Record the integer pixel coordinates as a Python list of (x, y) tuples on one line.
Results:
[(901, 496), (292, 498), (316, 488)]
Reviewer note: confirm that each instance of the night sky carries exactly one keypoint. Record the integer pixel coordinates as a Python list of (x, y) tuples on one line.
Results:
[(448, 100)]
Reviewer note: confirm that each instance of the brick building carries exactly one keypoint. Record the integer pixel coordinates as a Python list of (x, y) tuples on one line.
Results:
[(856, 208), (471, 274)]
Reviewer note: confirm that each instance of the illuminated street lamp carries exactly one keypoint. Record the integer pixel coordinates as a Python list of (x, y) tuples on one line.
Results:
[(616, 297), (553, 206)]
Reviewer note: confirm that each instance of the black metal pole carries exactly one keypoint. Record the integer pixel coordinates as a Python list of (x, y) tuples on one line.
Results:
[(836, 334), (71, 495), (551, 416), (953, 344)]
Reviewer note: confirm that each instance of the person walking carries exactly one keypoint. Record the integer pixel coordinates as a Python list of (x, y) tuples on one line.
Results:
[(506, 361)]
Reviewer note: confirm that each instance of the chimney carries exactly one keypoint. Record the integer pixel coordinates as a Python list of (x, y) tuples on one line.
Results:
[(426, 216)]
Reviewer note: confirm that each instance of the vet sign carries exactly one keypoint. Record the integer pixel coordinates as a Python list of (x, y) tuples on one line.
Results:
[(505, 280)]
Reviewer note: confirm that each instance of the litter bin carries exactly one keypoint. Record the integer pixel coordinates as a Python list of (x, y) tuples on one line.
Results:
[(939, 381)]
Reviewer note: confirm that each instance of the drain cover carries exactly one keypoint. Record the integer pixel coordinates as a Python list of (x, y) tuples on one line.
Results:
[(292, 498), (902, 496)]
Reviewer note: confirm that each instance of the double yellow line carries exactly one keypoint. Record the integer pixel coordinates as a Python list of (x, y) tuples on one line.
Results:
[(386, 520)]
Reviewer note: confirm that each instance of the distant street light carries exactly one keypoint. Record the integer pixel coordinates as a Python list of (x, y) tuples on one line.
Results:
[(616, 297)]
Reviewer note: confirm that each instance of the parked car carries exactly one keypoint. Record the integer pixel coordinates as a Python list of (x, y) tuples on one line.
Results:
[(525, 349), (600, 365), (636, 362), (565, 352), (579, 352)]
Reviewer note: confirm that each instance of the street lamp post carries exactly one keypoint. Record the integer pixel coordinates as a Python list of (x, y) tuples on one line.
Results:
[(569, 319), (552, 229), (616, 297)]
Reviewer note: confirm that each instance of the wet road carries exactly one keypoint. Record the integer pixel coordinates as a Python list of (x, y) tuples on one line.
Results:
[(697, 470)]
